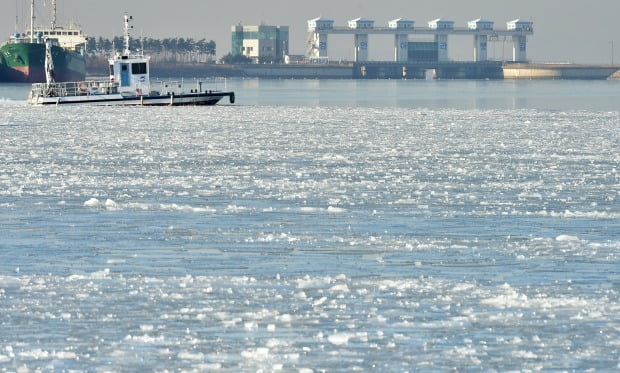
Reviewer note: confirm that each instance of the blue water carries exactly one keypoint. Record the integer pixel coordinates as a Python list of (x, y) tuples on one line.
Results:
[(315, 225)]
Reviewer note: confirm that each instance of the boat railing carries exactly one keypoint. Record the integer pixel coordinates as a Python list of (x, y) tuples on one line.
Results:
[(167, 87), (105, 87), (85, 88)]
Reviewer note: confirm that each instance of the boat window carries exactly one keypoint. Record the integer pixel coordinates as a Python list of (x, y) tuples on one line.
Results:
[(138, 68), (111, 69)]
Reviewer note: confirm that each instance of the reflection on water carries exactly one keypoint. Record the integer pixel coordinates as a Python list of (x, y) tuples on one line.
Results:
[(456, 94), (432, 94)]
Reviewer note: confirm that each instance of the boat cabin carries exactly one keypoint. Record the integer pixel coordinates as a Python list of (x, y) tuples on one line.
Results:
[(131, 73)]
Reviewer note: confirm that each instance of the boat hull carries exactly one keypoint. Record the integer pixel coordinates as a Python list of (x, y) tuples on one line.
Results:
[(25, 63), (188, 99)]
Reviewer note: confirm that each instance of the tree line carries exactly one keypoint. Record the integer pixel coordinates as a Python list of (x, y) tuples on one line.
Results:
[(177, 50)]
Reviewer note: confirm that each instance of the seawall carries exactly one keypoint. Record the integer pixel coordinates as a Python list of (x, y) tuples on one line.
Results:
[(382, 70), (301, 71), (559, 71)]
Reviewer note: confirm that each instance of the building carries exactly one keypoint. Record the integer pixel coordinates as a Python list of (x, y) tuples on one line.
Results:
[(263, 44), (401, 38), (519, 41), (317, 28), (481, 40), (405, 50)]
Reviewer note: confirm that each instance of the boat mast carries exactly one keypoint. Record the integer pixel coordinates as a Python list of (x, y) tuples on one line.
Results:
[(16, 17), (32, 21), (127, 27), (53, 14), (49, 63)]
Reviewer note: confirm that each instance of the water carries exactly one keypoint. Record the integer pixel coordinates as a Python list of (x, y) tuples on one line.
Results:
[(315, 225), (453, 94)]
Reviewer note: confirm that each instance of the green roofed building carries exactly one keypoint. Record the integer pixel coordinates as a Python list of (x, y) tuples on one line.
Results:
[(263, 44)]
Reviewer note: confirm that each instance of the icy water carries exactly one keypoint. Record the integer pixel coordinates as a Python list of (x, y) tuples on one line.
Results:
[(315, 226)]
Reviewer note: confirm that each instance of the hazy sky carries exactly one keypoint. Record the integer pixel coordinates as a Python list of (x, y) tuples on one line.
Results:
[(576, 31)]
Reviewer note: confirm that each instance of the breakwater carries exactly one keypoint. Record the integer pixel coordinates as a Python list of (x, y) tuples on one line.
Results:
[(559, 71), (384, 70)]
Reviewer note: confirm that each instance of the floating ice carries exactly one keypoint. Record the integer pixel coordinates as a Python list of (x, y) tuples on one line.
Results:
[(146, 328), (259, 353), (195, 356), (340, 238), (93, 202), (567, 238), (336, 210), (340, 338), (110, 205)]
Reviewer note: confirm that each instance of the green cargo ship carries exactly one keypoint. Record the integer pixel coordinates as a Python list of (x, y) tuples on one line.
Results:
[(22, 58), (25, 62)]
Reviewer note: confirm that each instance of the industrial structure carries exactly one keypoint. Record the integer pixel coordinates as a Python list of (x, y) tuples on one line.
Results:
[(261, 43), (406, 51)]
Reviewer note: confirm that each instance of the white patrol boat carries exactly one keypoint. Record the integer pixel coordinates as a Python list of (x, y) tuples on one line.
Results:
[(129, 84)]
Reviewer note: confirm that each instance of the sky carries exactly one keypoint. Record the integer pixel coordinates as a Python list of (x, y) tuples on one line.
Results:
[(564, 30)]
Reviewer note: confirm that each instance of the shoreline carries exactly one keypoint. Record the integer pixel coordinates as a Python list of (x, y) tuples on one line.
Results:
[(383, 70)]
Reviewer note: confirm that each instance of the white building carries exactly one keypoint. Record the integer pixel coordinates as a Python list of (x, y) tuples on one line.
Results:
[(481, 40), (359, 23), (318, 28), (401, 40), (519, 41), (480, 24), (440, 24)]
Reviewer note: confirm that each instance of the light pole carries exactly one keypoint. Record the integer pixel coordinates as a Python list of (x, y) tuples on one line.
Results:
[(612, 52)]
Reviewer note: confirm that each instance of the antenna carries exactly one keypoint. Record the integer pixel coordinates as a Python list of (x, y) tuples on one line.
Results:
[(127, 27), (32, 17), (53, 14), (16, 17)]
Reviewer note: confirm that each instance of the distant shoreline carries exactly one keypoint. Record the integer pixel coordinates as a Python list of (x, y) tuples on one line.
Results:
[(377, 70)]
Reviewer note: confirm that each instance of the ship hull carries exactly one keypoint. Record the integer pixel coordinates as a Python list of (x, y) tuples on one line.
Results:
[(25, 63), (187, 99)]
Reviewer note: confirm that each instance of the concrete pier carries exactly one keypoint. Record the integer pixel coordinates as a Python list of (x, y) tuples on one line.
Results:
[(385, 70), (441, 70), (435, 70), (559, 71)]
